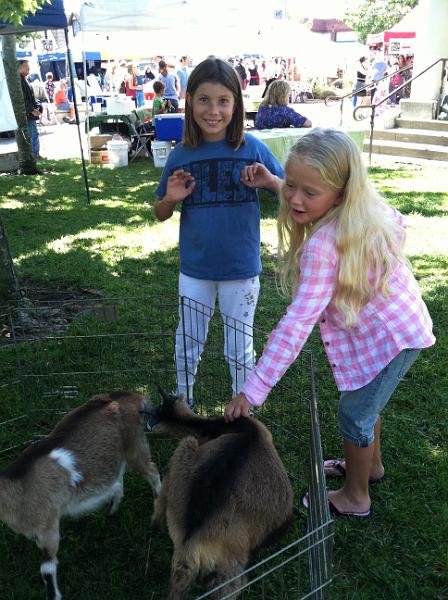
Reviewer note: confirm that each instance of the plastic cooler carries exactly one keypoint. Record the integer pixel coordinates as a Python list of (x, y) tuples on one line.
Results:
[(169, 127)]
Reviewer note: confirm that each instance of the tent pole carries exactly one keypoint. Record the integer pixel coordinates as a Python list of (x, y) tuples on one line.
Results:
[(78, 124)]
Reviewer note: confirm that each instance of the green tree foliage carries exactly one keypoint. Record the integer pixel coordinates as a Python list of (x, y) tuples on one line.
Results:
[(14, 11), (374, 16)]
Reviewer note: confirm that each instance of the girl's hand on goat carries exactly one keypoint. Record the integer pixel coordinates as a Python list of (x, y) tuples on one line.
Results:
[(238, 407), (179, 185), (259, 176)]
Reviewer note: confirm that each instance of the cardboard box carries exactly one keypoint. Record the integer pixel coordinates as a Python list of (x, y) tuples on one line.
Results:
[(99, 157), (98, 141)]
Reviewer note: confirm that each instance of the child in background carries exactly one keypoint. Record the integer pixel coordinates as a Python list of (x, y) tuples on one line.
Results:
[(157, 103), (341, 247), (214, 175), (274, 110)]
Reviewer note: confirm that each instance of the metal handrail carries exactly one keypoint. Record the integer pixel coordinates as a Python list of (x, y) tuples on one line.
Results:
[(368, 86), (373, 107)]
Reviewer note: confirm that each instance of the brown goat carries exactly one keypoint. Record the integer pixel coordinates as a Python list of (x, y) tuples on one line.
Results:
[(78, 467), (226, 494)]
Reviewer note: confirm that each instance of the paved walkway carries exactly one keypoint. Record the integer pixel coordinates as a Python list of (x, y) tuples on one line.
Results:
[(62, 141)]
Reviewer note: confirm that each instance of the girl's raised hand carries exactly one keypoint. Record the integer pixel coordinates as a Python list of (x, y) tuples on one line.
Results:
[(238, 407), (258, 176), (179, 185)]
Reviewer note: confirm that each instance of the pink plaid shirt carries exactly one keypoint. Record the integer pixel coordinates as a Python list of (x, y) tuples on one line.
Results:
[(385, 325)]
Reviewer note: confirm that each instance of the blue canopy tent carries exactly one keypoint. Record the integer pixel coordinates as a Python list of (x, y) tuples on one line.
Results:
[(51, 16), (54, 62)]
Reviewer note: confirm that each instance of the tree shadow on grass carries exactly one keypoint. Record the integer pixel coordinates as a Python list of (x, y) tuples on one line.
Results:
[(152, 274), (427, 204), (382, 174)]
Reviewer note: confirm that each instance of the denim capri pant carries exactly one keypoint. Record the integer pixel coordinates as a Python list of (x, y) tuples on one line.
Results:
[(359, 409)]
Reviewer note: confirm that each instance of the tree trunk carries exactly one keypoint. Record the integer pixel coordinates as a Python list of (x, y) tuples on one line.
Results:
[(27, 162), (9, 287)]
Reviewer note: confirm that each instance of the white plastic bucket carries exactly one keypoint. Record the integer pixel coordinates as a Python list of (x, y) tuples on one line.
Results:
[(160, 152), (118, 153)]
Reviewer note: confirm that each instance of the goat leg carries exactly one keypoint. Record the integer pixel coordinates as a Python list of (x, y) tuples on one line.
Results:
[(223, 573), (183, 573), (48, 571), (154, 478), (48, 542), (140, 462)]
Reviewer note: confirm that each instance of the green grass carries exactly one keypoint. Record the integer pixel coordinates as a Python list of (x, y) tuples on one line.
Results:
[(115, 247)]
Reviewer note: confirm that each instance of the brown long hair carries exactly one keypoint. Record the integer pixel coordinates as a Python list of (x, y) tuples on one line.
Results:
[(215, 70)]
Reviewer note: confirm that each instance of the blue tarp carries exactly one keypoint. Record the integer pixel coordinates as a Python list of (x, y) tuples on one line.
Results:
[(50, 16), (51, 56)]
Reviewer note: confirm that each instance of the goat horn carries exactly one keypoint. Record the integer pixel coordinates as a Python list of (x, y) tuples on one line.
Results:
[(162, 392)]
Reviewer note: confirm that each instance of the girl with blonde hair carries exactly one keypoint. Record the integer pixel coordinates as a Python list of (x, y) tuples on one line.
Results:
[(341, 251), (274, 110)]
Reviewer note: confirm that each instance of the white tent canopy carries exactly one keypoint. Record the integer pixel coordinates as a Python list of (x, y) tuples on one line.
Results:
[(175, 27), (7, 118), (149, 15), (119, 15)]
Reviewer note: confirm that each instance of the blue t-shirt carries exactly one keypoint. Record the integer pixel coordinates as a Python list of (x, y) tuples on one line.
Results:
[(219, 234), (170, 86), (183, 78)]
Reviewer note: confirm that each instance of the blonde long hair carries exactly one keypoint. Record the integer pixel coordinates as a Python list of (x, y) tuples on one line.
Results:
[(368, 239), (277, 93)]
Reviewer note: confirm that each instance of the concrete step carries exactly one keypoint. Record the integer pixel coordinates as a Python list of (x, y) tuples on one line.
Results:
[(394, 148), (422, 124), (9, 161), (413, 136)]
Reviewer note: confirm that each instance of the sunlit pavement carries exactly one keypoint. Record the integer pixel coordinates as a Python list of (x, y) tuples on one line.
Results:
[(62, 141)]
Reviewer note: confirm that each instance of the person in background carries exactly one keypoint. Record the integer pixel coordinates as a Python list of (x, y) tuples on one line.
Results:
[(158, 104), (274, 110), (49, 86), (377, 71), (213, 176), (362, 68), (40, 93), (139, 94), (47, 116), (404, 61), (148, 74), (171, 84), (131, 82), (182, 75), (241, 70), (62, 103), (31, 106), (98, 76), (254, 76), (118, 78), (341, 249)]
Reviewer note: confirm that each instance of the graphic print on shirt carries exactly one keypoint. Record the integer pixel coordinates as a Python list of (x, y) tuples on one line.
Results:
[(218, 183)]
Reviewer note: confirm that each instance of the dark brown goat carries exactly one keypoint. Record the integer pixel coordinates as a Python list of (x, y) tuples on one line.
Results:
[(76, 469), (226, 494)]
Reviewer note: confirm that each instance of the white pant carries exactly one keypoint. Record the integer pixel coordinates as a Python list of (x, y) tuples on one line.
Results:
[(237, 303)]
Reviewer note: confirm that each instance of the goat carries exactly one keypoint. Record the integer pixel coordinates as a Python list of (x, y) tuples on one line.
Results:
[(77, 468), (226, 494)]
